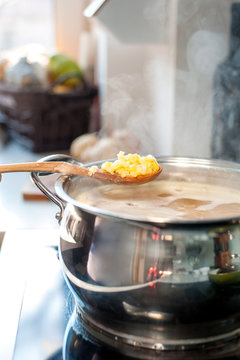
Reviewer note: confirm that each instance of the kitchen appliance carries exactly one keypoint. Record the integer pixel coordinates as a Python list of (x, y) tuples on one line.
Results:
[(148, 287), (156, 62)]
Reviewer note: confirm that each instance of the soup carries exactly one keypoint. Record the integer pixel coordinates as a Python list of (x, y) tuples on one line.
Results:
[(166, 199)]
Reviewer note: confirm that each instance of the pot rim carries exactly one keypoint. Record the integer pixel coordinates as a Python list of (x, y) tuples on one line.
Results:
[(184, 161)]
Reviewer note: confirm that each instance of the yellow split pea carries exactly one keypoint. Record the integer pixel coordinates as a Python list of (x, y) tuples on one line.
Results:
[(131, 165)]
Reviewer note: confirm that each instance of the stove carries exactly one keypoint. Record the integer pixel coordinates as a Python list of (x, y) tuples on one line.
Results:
[(39, 318)]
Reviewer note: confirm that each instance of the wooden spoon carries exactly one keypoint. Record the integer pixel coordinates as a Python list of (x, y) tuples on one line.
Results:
[(66, 168)]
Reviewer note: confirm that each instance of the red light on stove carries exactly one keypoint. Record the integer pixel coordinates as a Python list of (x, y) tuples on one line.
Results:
[(152, 285), (153, 274), (156, 234)]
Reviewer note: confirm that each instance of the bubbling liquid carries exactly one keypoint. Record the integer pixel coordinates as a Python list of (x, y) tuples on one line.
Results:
[(166, 199)]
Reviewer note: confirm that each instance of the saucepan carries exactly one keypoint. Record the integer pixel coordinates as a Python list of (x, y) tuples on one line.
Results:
[(151, 277)]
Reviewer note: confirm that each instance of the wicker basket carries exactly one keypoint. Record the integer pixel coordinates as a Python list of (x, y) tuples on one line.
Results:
[(44, 121)]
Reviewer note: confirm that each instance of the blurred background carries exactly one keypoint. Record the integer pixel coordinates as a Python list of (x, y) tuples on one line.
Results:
[(156, 74)]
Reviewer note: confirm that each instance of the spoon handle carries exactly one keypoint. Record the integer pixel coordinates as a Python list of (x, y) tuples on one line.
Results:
[(51, 166)]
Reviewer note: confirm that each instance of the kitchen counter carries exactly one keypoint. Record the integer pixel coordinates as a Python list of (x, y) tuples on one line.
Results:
[(34, 298), (16, 212), (31, 295)]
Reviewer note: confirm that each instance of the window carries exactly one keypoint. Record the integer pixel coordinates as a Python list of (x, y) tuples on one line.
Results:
[(26, 21)]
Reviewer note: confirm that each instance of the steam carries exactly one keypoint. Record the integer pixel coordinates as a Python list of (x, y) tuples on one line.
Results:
[(126, 107), (156, 10), (205, 50)]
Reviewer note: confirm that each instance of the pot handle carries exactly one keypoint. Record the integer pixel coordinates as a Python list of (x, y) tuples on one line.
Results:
[(45, 190)]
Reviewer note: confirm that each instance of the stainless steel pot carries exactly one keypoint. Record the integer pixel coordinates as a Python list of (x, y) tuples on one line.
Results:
[(150, 284)]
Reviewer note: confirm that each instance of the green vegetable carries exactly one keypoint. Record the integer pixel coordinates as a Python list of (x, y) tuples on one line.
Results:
[(224, 278), (61, 65)]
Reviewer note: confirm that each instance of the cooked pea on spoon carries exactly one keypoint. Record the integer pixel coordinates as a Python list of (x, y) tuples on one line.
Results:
[(127, 169)]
